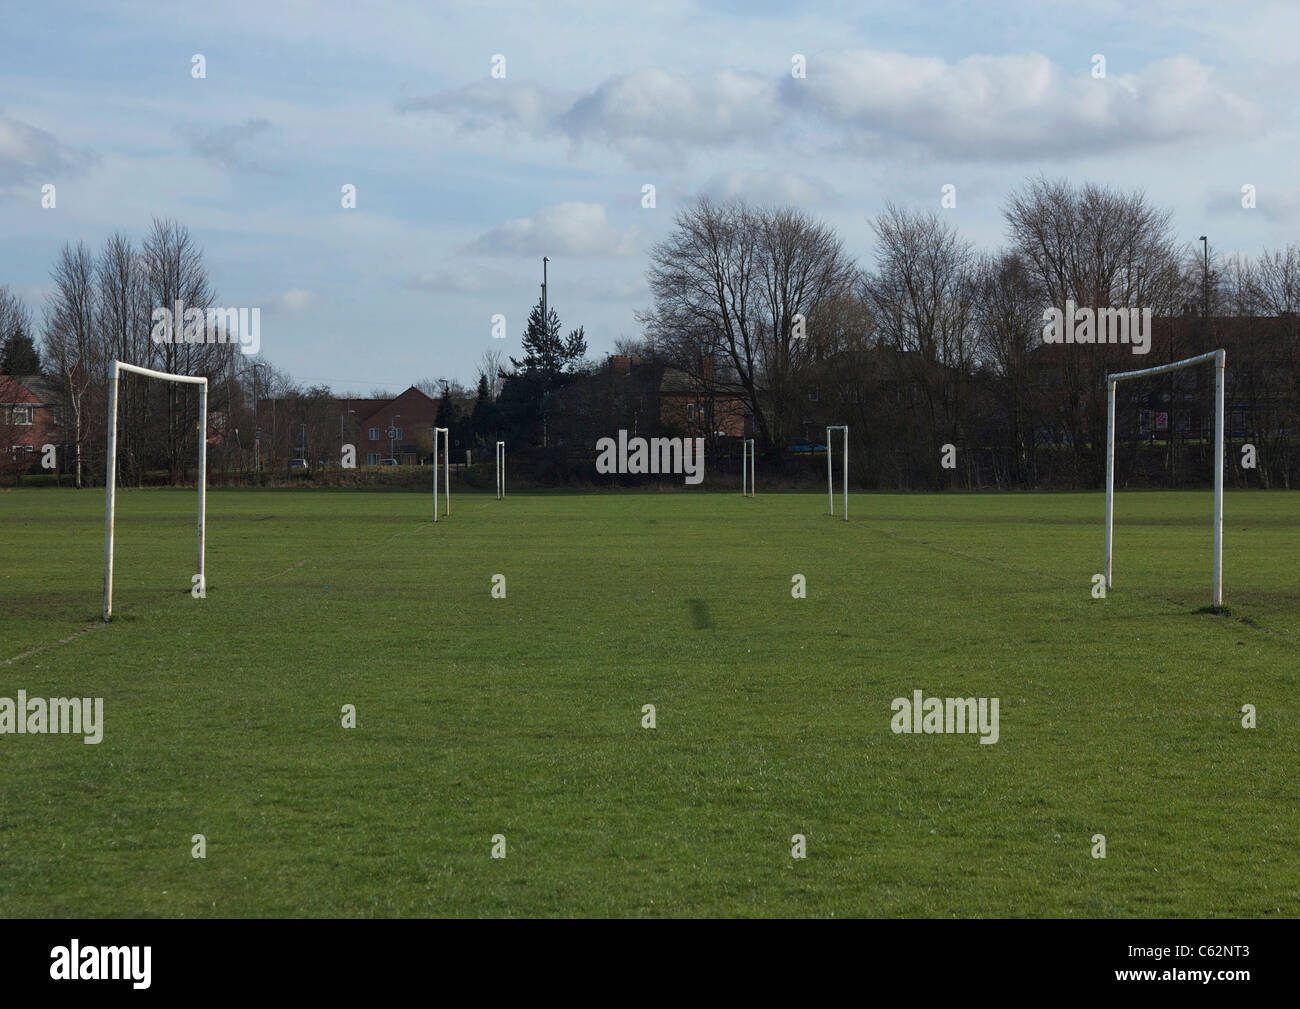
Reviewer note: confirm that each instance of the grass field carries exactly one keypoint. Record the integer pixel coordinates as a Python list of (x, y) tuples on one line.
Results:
[(522, 716)]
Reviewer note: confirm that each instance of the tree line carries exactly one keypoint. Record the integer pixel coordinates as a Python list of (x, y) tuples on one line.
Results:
[(757, 311)]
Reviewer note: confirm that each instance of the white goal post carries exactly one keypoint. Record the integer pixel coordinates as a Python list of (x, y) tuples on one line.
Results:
[(501, 470), (830, 471), (110, 474), (446, 468), (748, 464), (1219, 359)]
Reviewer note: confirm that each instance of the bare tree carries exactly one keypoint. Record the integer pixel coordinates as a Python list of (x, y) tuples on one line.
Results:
[(1009, 319), (70, 344), (123, 326), (15, 318), (922, 298), (175, 276), (491, 364), (1101, 248), (1266, 369), (728, 283)]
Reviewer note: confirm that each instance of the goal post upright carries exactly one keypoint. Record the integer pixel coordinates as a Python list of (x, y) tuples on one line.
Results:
[(1219, 357), (110, 469), (501, 470), (830, 472), (110, 491), (446, 469), (748, 467)]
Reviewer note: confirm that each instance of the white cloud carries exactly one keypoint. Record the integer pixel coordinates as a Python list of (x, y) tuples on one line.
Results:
[(998, 108), (29, 154), (783, 188), (224, 145), (1275, 204), (566, 229), (295, 299)]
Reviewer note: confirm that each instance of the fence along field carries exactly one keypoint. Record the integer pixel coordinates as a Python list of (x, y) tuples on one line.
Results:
[(518, 714)]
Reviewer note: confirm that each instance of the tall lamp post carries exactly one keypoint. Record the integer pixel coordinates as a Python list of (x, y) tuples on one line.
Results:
[(1205, 274), (545, 333)]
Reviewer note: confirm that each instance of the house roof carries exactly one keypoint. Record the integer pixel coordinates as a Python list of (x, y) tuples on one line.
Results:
[(35, 389)]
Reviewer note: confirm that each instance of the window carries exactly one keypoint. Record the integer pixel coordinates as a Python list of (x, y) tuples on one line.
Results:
[(23, 415), (812, 394), (374, 434), (690, 411), (372, 458), (21, 448), (398, 436)]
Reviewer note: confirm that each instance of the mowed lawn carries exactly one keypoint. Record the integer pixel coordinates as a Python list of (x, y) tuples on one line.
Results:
[(522, 716)]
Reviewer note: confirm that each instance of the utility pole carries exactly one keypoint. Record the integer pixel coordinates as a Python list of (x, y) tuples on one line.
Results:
[(546, 331), (1205, 272)]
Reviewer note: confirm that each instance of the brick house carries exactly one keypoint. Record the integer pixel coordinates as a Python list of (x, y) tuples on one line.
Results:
[(411, 418), (691, 405), (29, 419), (322, 426)]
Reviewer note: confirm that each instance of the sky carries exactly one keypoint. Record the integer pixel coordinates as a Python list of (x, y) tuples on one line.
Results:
[(469, 168)]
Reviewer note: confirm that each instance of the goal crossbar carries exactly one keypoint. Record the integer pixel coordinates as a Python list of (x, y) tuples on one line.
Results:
[(110, 473), (1219, 358)]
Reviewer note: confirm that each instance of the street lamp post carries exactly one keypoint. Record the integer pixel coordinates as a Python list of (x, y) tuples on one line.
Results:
[(1205, 274), (545, 333)]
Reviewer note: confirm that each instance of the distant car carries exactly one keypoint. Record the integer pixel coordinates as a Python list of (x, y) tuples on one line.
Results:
[(804, 445), (298, 464), (388, 462)]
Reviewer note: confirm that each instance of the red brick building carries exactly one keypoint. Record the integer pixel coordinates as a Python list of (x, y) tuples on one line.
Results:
[(399, 428), (29, 419)]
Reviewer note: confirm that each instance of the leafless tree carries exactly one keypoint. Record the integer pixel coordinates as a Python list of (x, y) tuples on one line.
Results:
[(14, 316), (123, 329), (1009, 317), (490, 364), (728, 283), (1103, 248), (922, 299), (174, 274), (71, 347)]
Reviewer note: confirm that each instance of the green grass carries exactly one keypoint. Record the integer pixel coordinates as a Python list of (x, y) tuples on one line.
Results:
[(522, 716)]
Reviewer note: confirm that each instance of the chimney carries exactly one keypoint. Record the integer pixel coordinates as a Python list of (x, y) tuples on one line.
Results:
[(706, 366), (620, 364)]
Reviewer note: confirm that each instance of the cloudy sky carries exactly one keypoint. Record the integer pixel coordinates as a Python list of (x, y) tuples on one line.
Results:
[(465, 180)]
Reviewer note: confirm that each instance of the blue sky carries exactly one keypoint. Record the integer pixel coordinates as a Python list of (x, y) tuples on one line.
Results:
[(464, 181)]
